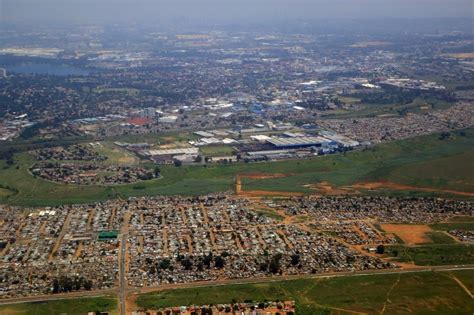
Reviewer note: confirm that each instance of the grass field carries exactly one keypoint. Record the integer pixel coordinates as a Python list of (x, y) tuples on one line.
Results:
[(116, 155), (461, 219), (269, 213), (433, 254), (66, 306), (467, 226), (440, 238), (414, 293), (157, 138), (420, 161), (216, 150)]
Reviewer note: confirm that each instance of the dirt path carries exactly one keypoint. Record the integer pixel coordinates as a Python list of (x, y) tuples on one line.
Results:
[(459, 282), (326, 188), (61, 236), (204, 213), (396, 186), (310, 302), (387, 298)]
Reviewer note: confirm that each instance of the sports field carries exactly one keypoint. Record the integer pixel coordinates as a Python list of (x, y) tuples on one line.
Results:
[(410, 293), (421, 166)]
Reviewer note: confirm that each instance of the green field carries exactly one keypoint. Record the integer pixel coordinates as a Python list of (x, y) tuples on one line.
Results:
[(432, 254), (461, 219), (269, 213), (216, 150), (416, 162), (440, 238), (116, 155), (468, 226), (66, 306), (414, 293), (157, 138)]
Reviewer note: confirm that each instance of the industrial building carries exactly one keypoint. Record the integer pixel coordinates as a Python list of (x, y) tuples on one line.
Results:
[(298, 142)]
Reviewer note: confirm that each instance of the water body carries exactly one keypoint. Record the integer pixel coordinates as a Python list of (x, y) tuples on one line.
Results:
[(47, 68)]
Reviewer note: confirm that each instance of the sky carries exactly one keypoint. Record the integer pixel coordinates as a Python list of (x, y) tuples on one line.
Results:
[(113, 11)]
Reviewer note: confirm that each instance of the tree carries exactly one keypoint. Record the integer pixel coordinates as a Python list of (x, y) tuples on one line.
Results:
[(187, 264), (219, 262), (295, 259), (207, 260), (275, 263), (157, 171), (165, 264), (88, 285), (380, 249)]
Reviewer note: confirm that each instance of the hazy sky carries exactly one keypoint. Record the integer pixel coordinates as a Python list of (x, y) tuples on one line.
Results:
[(225, 10)]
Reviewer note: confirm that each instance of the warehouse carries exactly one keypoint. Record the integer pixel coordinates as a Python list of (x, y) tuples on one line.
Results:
[(165, 156), (298, 142)]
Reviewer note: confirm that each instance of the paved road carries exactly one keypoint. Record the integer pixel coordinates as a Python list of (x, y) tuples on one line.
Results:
[(123, 289)]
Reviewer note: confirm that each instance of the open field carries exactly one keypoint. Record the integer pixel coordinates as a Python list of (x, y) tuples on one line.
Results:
[(456, 223), (417, 162), (414, 293), (158, 138), (461, 219), (437, 237), (116, 155), (409, 233), (415, 234), (468, 226), (216, 150), (65, 306), (433, 254)]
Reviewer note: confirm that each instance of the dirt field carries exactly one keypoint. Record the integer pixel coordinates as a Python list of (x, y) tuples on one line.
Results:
[(326, 188), (395, 186), (409, 233), (257, 193)]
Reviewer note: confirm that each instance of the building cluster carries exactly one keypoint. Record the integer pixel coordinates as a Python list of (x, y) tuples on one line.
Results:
[(256, 143), (91, 174), (380, 129), (411, 84), (66, 153), (176, 239), (11, 127), (463, 235), (380, 209), (360, 232), (244, 308), (58, 249), (218, 80), (221, 238)]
